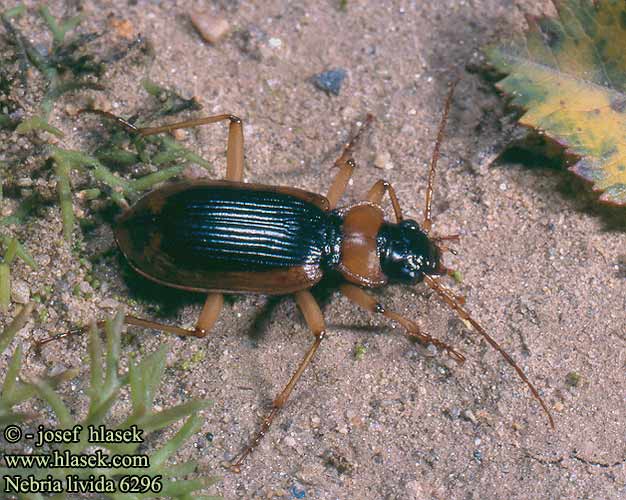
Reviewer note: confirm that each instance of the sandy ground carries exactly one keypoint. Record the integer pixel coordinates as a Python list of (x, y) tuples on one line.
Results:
[(542, 263)]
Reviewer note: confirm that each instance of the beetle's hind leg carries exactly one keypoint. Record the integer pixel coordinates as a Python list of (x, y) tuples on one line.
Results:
[(234, 151), (208, 316), (315, 321), (366, 301)]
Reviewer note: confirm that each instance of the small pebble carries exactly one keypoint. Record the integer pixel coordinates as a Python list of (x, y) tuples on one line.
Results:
[(290, 442), (558, 407), (415, 490), (298, 492), (20, 292), (192, 171), (330, 81), (123, 27), (57, 369), (454, 412), (383, 160), (275, 43), (101, 102), (209, 27), (179, 134), (71, 110), (469, 415)]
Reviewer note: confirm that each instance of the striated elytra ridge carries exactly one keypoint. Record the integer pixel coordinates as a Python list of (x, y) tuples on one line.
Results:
[(229, 229)]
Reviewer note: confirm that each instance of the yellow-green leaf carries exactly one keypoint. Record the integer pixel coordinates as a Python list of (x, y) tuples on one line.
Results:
[(569, 73)]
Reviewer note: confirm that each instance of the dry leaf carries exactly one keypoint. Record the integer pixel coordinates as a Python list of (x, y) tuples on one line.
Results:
[(570, 75)]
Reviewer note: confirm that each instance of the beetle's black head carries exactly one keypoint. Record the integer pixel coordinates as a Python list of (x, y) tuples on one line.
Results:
[(406, 253)]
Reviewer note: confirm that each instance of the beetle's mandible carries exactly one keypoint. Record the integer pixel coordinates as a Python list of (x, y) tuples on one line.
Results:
[(228, 236)]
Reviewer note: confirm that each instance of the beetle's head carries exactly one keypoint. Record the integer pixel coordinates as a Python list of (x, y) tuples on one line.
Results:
[(406, 252)]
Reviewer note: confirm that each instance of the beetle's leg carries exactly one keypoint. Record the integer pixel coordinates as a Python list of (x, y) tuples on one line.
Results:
[(129, 320), (209, 314), (453, 303), (315, 320), (378, 190), (346, 165), (234, 151), (366, 301), (428, 222)]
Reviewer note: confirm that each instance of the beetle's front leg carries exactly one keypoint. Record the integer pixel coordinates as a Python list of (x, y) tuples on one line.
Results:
[(366, 301), (315, 320)]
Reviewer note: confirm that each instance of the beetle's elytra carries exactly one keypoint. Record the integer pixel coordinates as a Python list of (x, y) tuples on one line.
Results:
[(230, 236)]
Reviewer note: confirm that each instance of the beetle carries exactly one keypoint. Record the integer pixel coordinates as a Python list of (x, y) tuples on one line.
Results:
[(228, 236)]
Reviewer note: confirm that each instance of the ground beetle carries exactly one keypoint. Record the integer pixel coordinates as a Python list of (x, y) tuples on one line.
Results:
[(229, 236)]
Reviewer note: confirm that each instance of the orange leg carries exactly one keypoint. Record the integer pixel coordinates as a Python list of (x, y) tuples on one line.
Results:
[(346, 165), (366, 301), (315, 320), (378, 190), (234, 151), (208, 316), (234, 172)]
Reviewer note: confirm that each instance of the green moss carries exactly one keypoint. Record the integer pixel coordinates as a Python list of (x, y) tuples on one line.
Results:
[(457, 276), (359, 351), (197, 357), (106, 384), (573, 379)]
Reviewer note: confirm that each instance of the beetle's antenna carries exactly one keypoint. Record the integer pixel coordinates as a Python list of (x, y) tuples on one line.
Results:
[(454, 304), (433, 161)]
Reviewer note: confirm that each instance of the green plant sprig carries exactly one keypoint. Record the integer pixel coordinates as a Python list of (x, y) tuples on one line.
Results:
[(106, 385)]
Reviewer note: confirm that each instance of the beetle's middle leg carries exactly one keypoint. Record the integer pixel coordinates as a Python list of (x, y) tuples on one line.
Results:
[(315, 321), (378, 190), (346, 165)]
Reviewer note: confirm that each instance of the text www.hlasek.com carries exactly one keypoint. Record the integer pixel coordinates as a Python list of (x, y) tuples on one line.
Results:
[(124, 474), (64, 459)]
